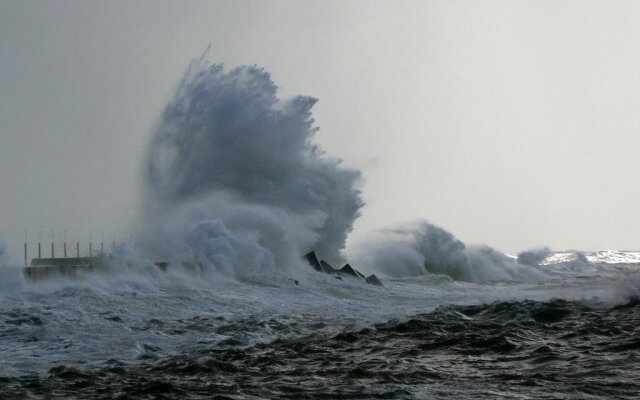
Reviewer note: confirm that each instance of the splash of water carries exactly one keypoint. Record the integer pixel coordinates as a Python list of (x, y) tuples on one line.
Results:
[(235, 181), (534, 257), (421, 247)]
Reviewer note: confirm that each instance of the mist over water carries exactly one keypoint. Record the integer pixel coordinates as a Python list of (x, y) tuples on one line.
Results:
[(11, 278)]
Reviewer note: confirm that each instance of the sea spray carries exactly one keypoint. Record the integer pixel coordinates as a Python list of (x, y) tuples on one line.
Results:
[(11, 275), (534, 257), (420, 247), (234, 180)]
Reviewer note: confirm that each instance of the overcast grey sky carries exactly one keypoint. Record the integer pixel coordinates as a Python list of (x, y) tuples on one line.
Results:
[(514, 124)]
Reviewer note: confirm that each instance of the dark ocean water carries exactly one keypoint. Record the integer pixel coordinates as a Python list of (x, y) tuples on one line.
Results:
[(527, 349), (141, 333)]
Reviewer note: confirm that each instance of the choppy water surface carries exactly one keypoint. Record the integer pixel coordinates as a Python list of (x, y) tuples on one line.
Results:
[(140, 333)]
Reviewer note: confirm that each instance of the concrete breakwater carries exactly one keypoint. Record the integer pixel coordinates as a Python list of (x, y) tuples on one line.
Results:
[(44, 268)]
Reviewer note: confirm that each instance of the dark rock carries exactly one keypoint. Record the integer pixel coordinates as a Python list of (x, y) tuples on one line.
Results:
[(348, 270), (312, 259), (162, 265), (373, 280), (327, 268)]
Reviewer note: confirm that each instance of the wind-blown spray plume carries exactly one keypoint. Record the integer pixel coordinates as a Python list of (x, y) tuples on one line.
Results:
[(235, 181), (534, 257), (11, 278), (419, 248)]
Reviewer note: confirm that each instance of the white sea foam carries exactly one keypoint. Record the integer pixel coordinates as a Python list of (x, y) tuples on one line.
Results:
[(419, 248)]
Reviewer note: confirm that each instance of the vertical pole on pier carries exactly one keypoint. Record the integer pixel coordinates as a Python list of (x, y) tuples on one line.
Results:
[(39, 244), (25, 249), (102, 242), (65, 244), (78, 244), (53, 239), (90, 243), (113, 242)]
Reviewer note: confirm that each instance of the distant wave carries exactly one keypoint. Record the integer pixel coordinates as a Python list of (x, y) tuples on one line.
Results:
[(534, 257), (421, 247)]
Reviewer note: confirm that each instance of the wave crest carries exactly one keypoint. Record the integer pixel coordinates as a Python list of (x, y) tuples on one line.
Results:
[(422, 247)]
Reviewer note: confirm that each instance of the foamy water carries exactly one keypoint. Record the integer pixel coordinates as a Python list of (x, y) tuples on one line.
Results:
[(139, 311)]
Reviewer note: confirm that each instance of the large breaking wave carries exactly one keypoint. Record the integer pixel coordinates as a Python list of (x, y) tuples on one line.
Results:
[(234, 180)]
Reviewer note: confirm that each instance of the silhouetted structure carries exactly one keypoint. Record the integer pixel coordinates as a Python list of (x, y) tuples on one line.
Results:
[(348, 271)]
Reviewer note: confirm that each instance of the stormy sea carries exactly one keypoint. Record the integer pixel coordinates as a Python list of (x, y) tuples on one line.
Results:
[(218, 301)]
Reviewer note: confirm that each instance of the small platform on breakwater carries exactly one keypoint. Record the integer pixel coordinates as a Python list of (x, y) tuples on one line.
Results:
[(72, 267), (41, 268)]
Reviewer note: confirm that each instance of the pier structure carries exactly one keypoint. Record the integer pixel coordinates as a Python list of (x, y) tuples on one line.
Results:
[(65, 264), (70, 265), (66, 251)]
